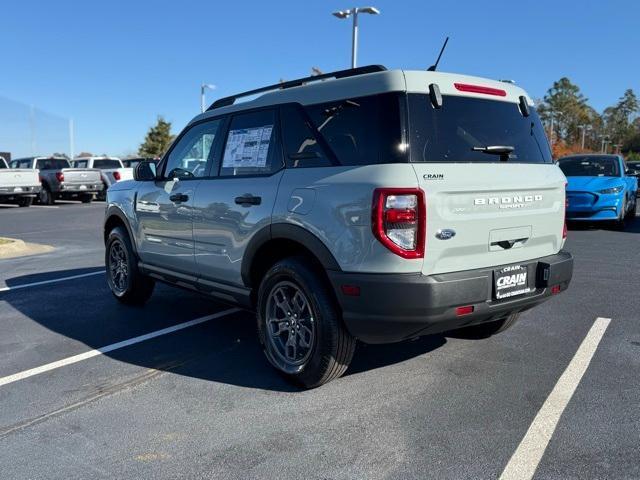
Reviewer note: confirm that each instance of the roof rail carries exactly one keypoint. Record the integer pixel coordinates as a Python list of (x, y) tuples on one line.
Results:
[(351, 72)]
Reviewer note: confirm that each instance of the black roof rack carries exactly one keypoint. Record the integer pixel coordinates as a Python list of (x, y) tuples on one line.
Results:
[(351, 72)]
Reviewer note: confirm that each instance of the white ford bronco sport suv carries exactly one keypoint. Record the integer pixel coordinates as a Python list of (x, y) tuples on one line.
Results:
[(363, 204)]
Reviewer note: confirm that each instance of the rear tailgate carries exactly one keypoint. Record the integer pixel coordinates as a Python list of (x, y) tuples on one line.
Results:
[(82, 176), (500, 214), (19, 178), (493, 195)]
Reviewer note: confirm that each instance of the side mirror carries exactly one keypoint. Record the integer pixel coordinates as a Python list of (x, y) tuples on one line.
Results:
[(145, 171)]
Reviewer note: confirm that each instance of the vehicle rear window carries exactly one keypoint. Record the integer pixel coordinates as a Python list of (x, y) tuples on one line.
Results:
[(361, 130), (450, 133), (106, 164), (51, 164), (2, 164), (80, 163), (589, 166)]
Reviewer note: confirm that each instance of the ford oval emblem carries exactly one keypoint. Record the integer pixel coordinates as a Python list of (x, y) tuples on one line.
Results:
[(445, 234)]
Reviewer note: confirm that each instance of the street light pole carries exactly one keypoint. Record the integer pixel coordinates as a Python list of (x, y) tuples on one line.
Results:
[(584, 129), (203, 87), (353, 12)]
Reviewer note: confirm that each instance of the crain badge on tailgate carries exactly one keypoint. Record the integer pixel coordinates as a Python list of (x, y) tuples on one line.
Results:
[(445, 234)]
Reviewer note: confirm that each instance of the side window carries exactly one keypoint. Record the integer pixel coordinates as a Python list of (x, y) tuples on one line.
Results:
[(362, 130), (300, 143), (189, 157), (252, 147)]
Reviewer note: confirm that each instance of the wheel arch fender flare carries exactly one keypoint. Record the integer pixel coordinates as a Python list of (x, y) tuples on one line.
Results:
[(114, 211), (286, 231)]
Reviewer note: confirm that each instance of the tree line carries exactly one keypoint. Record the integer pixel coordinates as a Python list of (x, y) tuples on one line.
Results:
[(573, 126)]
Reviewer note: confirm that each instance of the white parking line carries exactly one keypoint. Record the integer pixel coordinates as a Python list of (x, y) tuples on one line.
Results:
[(525, 459), (54, 280), (110, 348)]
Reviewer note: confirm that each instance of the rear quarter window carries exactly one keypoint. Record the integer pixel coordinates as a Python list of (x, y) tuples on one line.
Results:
[(361, 130), (448, 134)]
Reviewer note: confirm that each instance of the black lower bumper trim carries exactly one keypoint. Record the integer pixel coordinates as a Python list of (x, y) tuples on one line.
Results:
[(394, 307)]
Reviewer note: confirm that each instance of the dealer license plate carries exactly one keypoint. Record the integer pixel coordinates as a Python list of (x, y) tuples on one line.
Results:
[(510, 281)]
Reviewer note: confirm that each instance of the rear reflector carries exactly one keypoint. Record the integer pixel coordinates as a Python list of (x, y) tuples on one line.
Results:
[(351, 290), (466, 310), (555, 289), (60, 176), (465, 87)]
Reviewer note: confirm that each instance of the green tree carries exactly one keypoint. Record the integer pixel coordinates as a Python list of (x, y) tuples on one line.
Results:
[(157, 140), (569, 109), (618, 119)]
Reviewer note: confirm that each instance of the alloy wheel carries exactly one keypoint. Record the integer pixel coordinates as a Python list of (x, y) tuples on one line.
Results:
[(290, 326), (118, 269)]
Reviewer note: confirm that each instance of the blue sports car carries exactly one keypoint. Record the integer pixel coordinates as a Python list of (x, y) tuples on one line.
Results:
[(599, 188)]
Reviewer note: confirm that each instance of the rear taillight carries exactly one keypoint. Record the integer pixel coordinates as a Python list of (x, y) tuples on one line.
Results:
[(564, 218), (60, 176), (399, 220), (116, 175)]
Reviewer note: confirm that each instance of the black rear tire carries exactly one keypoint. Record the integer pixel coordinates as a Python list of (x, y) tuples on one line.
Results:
[(46, 197), (125, 280), (329, 347), (25, 201), (86, 198), (486, 330)]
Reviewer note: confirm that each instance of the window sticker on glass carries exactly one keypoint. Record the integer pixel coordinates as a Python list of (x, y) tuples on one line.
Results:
[(247, 147)]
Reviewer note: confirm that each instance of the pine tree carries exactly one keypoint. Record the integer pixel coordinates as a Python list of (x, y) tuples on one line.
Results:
[(158, 139)]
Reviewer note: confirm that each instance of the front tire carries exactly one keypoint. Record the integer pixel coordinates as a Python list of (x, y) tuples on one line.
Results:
[(299, 324), (486, 330), (125, 280)]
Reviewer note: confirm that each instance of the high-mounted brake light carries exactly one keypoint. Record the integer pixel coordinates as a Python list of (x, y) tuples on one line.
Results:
[(60, 176), (399, 220), (116, 175), (465, 87)]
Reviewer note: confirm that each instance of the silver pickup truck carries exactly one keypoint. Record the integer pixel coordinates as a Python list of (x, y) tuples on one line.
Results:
[(111, 168), (60, 181), (18, 186)]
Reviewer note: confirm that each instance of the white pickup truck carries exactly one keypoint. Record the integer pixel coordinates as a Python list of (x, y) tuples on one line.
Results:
[(111, 168), (18, 186)]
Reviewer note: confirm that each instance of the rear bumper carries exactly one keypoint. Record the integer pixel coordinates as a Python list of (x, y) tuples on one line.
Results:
[(14, 192), (80, 188), (394, 307)]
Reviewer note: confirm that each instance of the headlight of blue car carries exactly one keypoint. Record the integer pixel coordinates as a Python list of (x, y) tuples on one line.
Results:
[(613, 190)]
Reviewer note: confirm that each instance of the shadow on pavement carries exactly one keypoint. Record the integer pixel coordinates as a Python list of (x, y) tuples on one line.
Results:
[(56, 274), (222, 350)]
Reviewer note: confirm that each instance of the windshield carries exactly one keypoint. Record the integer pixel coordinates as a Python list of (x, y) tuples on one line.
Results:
[(462, 124), (589, 166)]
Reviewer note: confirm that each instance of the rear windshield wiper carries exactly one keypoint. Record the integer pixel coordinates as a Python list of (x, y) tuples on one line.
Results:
[(502, 150)]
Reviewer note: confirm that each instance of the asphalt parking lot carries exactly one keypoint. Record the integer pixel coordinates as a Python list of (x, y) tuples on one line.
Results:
[(198, 400)]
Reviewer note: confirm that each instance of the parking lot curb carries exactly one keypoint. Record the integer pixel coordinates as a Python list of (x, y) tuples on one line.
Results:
[(12, 248)]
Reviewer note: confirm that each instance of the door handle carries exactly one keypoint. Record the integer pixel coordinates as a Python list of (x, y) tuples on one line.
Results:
[(248, 200), (179, 197)]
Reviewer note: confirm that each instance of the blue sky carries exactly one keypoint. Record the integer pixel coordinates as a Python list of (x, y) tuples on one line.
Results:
[(114, 66)]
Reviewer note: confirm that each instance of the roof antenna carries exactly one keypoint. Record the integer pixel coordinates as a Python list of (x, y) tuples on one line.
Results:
[(433, 67)]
